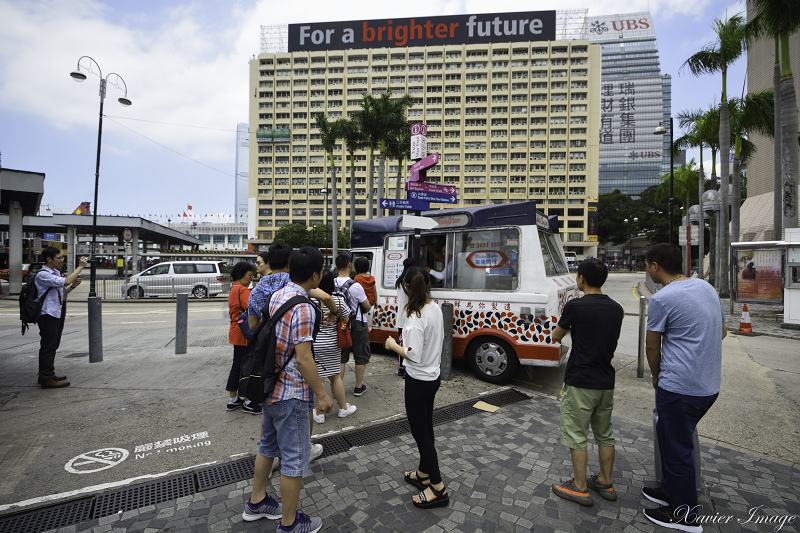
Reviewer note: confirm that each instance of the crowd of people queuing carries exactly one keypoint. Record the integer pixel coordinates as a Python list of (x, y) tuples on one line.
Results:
[(683, 345)]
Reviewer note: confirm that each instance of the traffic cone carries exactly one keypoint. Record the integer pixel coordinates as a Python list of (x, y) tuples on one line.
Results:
[(745, 327)]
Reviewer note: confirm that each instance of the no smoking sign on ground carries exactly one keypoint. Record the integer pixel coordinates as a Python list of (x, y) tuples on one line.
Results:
[(95, 461)]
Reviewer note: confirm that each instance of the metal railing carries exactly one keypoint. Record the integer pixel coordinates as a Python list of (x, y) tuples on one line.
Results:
[(162, 287)]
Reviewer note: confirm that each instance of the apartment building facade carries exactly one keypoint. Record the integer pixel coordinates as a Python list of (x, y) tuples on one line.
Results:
[(513, 120)]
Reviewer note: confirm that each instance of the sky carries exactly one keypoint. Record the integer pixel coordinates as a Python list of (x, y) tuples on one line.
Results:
[(185, 65)]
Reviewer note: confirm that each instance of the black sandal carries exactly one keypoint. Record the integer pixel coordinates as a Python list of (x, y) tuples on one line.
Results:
[(441, 500), (418, 481)]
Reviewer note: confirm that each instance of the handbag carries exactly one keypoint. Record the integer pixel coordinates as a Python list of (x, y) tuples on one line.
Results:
[(244, 326), (343, 335)]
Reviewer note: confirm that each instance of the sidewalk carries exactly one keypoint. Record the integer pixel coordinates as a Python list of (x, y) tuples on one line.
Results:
[(498, 468)]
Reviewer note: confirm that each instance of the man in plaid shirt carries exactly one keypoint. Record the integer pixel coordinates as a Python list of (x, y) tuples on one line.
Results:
[(285, 423)]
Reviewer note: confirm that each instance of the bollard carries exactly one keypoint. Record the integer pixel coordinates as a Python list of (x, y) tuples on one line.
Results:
[(446, 365), (642, 333), (95, 329), (181, 320)]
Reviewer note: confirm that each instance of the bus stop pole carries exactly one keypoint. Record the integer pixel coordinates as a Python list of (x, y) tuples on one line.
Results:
[(181, 323)]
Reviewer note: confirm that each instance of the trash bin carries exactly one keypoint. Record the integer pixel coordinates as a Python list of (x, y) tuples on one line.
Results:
[(695, 454)]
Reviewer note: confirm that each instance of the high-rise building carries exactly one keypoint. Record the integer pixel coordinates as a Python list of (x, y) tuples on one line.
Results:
[(513, 112), (242, 175), (634, 99)]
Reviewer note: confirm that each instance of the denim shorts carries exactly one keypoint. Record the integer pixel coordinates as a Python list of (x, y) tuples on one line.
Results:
[(285, 434)]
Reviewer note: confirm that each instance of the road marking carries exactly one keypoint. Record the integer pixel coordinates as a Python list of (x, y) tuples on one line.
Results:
[(144, 322), (106, 458), (97, 488)]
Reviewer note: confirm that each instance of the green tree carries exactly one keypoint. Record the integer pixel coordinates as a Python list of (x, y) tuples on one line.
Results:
[(718, 57), (379, 119), (779, 19), (613, 208), (399, 148), (295, 235), (350, 133), (328, 136), (653, 216)]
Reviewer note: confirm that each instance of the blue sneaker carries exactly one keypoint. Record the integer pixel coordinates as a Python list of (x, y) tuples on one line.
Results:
[(302, 524), (266, 508)]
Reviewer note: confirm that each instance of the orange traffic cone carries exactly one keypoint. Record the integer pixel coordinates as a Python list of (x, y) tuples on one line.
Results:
[(745, 327)]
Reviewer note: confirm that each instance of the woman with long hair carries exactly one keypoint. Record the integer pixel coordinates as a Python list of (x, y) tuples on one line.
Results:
[(327, 353), (400, 317), (242, 275), (423, 334)]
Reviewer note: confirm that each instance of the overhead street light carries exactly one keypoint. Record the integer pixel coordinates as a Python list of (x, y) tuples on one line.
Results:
[(660, 130), (95, 318)]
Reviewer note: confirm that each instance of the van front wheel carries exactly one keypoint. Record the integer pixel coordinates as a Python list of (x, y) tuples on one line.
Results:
[(200, 292), (492, 359)]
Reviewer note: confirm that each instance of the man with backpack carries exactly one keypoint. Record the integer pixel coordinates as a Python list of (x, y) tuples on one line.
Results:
[(359, 307), (52, 290), (285, 426)]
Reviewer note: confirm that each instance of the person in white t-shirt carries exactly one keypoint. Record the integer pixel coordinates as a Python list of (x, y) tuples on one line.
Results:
[(423, 334), (359, 330)]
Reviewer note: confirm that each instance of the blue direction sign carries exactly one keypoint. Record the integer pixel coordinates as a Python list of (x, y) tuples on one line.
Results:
[(434, 197), (407, 205)]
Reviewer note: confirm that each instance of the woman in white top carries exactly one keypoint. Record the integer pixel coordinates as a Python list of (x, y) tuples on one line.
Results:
[(400, 317), (423, 334)]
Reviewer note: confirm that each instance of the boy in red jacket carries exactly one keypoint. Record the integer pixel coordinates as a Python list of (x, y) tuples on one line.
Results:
[(361, 264)]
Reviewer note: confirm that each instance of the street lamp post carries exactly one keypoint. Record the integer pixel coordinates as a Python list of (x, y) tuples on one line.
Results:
[(630, 223), (95, 312), (660, 130)]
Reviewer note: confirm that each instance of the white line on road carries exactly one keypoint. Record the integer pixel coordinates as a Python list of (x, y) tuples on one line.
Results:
[(144, 322), (96, 488)]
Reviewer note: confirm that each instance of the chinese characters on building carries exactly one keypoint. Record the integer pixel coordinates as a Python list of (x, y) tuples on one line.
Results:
[(618, 101)]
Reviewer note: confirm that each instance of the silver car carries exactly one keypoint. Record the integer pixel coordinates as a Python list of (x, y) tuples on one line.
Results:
[(202, 279)]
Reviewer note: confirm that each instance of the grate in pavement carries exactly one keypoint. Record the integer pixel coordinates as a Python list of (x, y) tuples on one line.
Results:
[(333, 445), (371, 435), (146, 494), (503, 397), (48, 518), (218, 475)]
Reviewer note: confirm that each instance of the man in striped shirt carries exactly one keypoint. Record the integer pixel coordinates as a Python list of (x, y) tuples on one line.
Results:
[(285, 424)]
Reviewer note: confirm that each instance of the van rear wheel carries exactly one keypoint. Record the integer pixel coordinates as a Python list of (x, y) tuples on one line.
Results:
[(200, 292), (492, 359)]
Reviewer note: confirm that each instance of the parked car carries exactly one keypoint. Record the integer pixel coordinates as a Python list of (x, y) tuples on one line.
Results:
[(202, 279)]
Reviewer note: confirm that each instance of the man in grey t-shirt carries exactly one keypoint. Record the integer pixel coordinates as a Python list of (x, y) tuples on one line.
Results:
[(685, 328)]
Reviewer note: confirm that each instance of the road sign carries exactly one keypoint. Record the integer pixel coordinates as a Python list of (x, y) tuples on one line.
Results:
[(422, 164), (50, 236), (433, 197), (37, 244), (430, 187), (694, 236), (407, 205), (419, 140), (127, 235)]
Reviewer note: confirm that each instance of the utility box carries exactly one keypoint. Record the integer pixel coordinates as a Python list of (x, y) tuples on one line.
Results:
[(791, 302)]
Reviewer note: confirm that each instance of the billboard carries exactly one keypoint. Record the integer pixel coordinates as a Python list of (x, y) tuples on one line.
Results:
[(265, 135), (757, 274), (424, 31)]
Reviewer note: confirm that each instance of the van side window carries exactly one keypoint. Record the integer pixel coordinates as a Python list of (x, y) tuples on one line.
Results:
[(551, 253), (157, 270), (205, 268), (187, 268), (484, 260)]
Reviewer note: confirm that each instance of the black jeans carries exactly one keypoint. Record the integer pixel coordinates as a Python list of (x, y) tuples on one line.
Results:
[(50, 329), (419, 397), (234, 374)]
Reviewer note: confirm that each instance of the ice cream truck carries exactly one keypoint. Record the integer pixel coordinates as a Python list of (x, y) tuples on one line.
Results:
[(501, 266)]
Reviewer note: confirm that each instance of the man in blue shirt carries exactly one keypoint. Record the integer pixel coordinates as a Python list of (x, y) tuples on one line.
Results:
[(685, 328), (54, 311)]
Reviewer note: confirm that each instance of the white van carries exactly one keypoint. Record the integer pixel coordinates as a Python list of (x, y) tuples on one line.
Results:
[(198, 278), (503, 269)]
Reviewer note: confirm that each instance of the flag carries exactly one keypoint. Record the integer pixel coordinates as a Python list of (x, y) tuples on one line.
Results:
[(190, 207), (184, 214)]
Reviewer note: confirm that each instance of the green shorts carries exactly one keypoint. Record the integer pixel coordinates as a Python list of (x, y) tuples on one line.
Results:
[(579, 407)]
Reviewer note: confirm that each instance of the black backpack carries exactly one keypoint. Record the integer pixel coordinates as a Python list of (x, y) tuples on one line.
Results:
[(30, 305), (343, 290), (259, 370)]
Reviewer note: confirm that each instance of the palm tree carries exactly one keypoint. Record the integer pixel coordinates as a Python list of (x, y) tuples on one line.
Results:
[(399, 147), (779, 19), (695, 121), (750, 114), (717, 57), (380, 118), (328, 136), (350, 133)]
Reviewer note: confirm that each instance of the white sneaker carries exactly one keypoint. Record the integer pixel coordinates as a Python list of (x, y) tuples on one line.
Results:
[(316, 450), (347, 412), (318, 419)]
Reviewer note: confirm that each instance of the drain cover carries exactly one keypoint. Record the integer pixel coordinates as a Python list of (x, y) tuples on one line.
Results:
[(49, 518), (145, 494), (219, 475)]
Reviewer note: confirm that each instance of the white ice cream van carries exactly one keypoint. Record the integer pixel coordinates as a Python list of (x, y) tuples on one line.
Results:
[(501, 266)]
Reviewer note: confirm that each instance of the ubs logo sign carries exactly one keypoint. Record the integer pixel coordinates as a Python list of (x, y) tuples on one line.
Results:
[(651, 154), (620, 25), (598, 27)]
